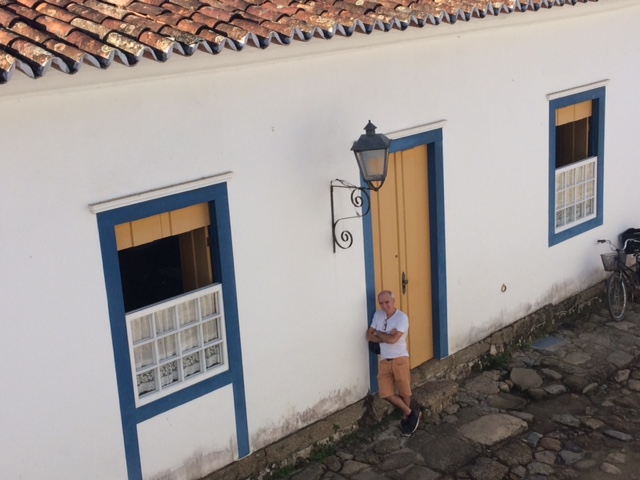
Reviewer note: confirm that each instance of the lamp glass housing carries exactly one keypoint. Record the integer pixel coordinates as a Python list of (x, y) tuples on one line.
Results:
[(373, 164), (372, 154)]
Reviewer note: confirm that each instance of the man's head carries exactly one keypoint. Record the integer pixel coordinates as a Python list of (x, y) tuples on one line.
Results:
[(387, 302)]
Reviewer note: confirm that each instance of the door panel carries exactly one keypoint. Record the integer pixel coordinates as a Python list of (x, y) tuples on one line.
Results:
[(400, 220)]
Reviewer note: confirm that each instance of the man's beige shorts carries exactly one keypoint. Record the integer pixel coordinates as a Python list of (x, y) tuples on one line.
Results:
[(394, 372)]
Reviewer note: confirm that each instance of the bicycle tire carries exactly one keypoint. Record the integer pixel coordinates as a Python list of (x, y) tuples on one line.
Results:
[(617, 295)]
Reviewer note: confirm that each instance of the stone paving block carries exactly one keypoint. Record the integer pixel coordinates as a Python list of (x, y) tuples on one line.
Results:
[(436, 396), (550, 343), (576, 358), (525, 378), (625, 437), (446, 454), (481, 385), (400, 460), (506, 401), (369, 475), (620, 359), (417, 472), (313, 471), (491, 429), (351, 467), (487, 469), (514, 452)]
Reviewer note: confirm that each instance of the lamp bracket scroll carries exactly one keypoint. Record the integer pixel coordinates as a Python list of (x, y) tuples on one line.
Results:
[(361, 203), (372, 154)]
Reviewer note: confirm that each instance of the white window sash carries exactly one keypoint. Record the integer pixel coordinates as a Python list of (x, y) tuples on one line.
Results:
[(576, 190), (172, 342)]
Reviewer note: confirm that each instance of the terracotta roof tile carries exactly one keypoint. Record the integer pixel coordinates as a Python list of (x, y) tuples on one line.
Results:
[(145, 9), (88, 13), (38, 34), (7, 63), (105, 8), (70, 57), (7, 18), (28, 3), (54, 26), (218, 14), (55, 12), (61, 3)]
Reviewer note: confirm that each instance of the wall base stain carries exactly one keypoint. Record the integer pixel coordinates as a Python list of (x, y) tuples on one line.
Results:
[(199, 464), (294, 421), (556, 295)]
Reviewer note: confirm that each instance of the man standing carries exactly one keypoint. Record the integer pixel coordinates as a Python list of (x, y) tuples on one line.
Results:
[(389, 328)]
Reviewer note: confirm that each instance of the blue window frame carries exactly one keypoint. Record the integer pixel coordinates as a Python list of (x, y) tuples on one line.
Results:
[(223, 270), (576, 164)]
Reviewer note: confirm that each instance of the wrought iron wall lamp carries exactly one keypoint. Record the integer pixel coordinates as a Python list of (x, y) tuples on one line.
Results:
[(372, 154)]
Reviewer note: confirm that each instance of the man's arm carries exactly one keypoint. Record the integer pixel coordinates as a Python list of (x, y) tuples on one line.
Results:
[(377, 336), (372, 337)]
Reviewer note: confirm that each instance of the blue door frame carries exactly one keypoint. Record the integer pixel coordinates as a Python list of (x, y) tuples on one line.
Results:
[(433, 140)]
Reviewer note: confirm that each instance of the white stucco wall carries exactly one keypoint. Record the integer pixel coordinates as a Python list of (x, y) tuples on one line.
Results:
[(196, 438), (283, 120)]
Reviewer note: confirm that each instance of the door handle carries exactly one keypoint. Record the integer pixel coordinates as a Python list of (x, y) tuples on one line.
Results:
[(405, 282)]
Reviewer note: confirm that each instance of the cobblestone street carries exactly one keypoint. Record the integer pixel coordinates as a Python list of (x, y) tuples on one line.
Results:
[(566, 406)]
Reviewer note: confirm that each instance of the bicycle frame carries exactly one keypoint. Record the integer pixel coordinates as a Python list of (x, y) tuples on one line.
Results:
[(630, 273), (623, 279)]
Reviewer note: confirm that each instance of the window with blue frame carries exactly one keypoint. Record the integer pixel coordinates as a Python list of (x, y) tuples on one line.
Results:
[(175, 313), (576, 153), (170, 281)]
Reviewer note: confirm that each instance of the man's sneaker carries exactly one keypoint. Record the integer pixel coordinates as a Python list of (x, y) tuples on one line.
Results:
[(413, 420), (404, 427)]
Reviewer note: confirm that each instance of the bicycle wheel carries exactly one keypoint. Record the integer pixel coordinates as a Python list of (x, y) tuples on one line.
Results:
[(617, 295)]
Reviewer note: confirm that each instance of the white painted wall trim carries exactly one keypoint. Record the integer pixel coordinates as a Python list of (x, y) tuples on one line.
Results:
[(573, 91), (416, 130), (158, 193)]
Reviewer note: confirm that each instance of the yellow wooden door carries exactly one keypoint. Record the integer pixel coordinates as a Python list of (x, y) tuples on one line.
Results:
[(401, 245)]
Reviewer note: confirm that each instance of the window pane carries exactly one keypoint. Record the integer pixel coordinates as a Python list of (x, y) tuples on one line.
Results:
[(560, 218), (146, 382), (189, 338), (167, 347), (589, 207), (213, 355), (210, 330), (166, 320), (559, 200), (590, 188), (141, 328), (169, 373), (209, 305), (570, 176), (579, 211), (569, 197), (579, 193), (559, 181), (143, 355), (191, 364), (568, 214), (188, 312)]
